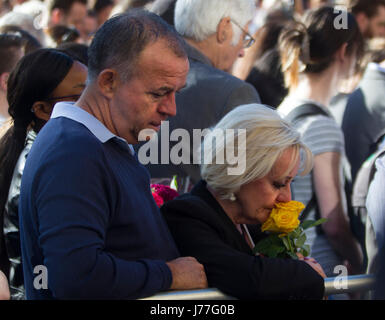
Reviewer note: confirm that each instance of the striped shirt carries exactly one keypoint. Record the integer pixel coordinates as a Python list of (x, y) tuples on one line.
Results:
[(321, 134)]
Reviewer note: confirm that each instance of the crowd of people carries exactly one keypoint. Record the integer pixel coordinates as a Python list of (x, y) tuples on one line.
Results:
[(83, 81)]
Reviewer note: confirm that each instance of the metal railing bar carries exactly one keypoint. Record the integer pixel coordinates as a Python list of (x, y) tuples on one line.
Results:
[(357, 283)]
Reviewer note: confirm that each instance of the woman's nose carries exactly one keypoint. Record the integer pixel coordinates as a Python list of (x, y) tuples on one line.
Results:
[(285, 194)]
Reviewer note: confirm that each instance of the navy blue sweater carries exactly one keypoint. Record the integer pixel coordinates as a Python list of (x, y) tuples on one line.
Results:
[(88, 216)]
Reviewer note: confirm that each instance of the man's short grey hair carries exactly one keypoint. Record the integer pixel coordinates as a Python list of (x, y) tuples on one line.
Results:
[(267, 137), (119, 42), (198, 19)]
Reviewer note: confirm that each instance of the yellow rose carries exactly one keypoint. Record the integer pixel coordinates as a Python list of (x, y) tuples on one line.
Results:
[(284, 217)]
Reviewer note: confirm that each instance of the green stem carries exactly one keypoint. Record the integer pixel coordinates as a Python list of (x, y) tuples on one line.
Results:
[(291, 248)]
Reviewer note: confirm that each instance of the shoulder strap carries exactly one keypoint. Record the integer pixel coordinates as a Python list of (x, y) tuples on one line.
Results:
[(364, 177), (311, 205), (304, 110)]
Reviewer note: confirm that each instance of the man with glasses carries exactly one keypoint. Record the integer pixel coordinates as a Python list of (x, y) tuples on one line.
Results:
[(216, 34)]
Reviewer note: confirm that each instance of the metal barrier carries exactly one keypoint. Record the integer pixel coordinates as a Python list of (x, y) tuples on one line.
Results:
[(357, 283)]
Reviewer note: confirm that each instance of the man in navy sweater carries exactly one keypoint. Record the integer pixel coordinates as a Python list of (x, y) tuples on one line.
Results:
[(90, 228)]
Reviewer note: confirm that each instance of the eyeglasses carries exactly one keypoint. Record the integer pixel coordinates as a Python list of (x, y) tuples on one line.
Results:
[(248, 40), (73, 97)]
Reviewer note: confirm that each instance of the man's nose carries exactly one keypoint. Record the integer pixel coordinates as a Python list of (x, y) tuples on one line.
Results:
[(168, 105)]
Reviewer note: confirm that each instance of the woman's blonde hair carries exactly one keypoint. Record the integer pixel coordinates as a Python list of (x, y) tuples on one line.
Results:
[(267, 136)]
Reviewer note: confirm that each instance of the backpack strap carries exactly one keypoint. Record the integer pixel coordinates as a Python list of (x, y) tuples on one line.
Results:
[(305, 110), (302, 111), (364, 177)]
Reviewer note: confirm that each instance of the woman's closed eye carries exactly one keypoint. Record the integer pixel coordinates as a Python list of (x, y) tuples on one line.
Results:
[(279, 185)]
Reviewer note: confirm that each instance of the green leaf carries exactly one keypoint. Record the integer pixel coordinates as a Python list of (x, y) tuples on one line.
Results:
[(286, 243), (270, 246), (174, 183), (274, 250), (264, 244), (312, 223), (300, 241), (305, 250)]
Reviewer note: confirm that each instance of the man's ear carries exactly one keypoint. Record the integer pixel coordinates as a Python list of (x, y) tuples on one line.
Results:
[(224, 30), (42, 110), (341, 52), (107, 82), (3, 81)]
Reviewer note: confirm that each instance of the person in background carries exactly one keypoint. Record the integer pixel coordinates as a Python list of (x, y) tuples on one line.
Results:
[(165, 9), (86, 209), (363, 120), (4, 289), (77, 51), (370, 16), (214, 40), (209, 223), (25, 22), (62, 34), (11, 51), (30, 42), (39, 80), (89, 27), (316, 57), (102, 9), (70, 13)]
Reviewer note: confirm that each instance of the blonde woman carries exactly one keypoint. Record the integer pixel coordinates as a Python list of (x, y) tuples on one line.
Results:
[(210, 222)]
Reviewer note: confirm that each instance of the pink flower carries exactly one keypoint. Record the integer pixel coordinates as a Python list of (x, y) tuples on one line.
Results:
[(158, 199), (164, 192)]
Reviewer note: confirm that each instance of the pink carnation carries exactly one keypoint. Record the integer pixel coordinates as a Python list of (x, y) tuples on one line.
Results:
[(165, 192), (158, 199)]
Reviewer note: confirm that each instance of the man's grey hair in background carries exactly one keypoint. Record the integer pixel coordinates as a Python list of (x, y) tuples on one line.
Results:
[(198, 19), (121, 39)]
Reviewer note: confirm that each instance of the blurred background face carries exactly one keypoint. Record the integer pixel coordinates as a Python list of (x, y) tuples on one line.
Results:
[(76, 15), (231, 52), (376, 24)]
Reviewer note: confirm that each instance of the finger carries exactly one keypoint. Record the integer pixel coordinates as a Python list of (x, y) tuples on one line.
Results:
[(300, 256)]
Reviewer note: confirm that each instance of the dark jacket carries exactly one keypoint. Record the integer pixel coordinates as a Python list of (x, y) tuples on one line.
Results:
[(203, 230)]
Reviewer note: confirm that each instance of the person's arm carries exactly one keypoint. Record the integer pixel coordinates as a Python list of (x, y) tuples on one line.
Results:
[(234, 272), (4, 288), (332, 204)]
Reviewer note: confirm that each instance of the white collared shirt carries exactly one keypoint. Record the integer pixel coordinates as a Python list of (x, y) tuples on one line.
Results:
[(71, 111)]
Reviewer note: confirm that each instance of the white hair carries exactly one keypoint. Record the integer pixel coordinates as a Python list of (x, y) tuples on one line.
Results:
[(198, 19), (267, 137), (25, 22)]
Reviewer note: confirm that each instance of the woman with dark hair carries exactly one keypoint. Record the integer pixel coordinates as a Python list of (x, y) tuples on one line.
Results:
[(38, 81), (316, 56)]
